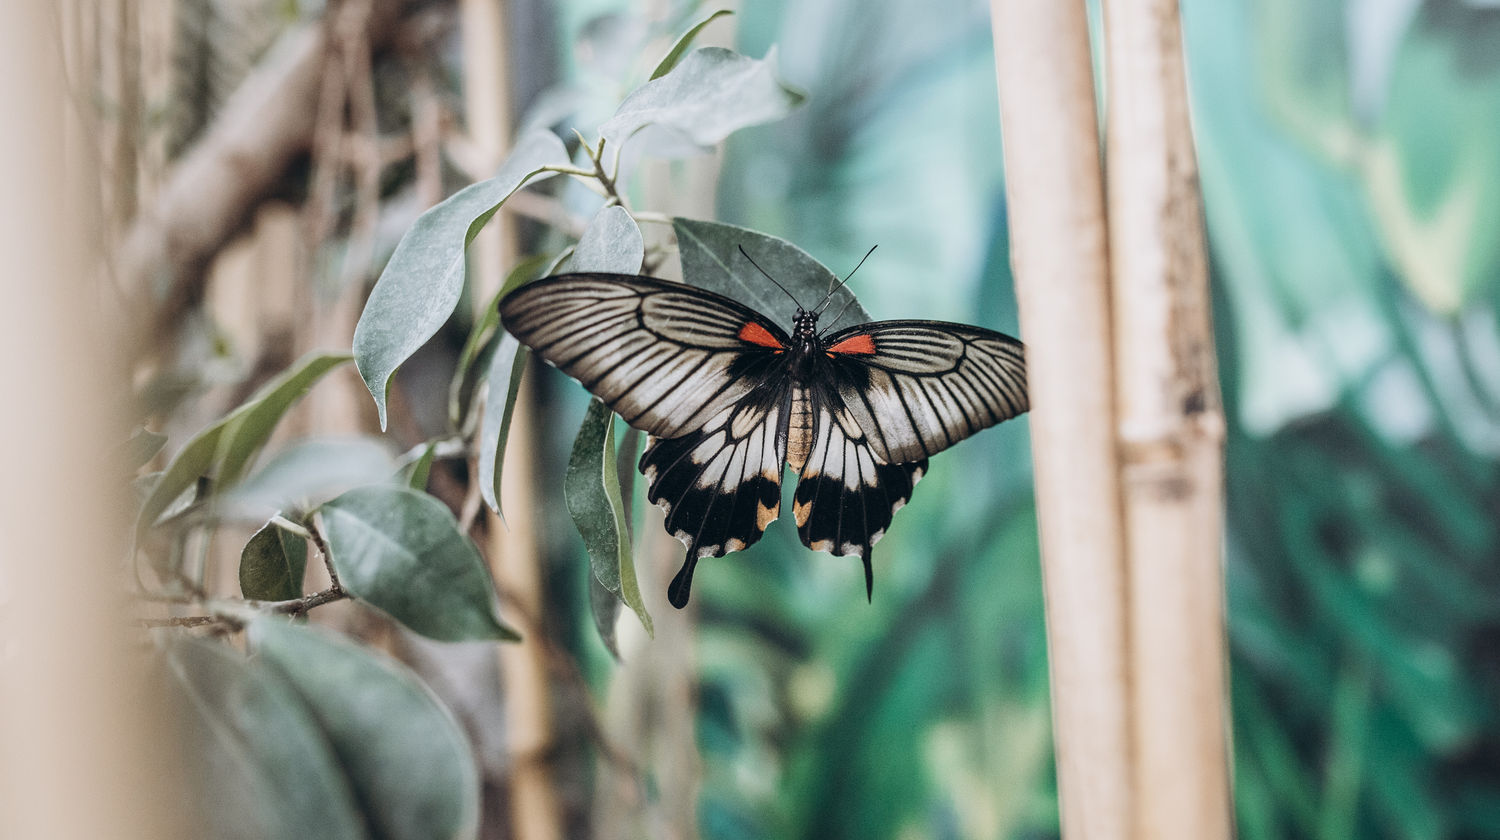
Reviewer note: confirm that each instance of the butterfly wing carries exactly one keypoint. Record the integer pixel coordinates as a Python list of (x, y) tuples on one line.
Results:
[(720, 486), (848, 494), (666, 357), (918, 387)]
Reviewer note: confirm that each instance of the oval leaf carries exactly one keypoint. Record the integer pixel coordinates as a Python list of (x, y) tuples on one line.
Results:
[(612, 242), (484, 329), (259, 760), (401, 551), (424, 279), (140, 448), (711, 260), (272, 564), (415, 474), (503, 385), (592, 490), (224, 449), (674, 55), (407, 760), (704, 99), (306, 474)]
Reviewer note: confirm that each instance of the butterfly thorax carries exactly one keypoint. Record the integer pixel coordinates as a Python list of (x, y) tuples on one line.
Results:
[(805, 351), (806, 346)]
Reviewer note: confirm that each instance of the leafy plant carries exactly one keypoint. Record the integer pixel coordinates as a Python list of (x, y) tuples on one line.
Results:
[(315, 722)]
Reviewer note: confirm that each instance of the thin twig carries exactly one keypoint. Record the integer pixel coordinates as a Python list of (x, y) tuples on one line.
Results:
[(181, 621), (299, 606), (316, 534)]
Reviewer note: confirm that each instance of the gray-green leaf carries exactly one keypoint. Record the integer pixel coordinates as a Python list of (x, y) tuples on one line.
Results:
[(402, 552), (140, 448), (711, 260), (306, 474), (424, 279), (272, 564), (611, 242), (408, 762), (709, 95), (503, 385), (484, 330), (257, 757), (674, 55), (592, 490), (416, 473), (224, 449)]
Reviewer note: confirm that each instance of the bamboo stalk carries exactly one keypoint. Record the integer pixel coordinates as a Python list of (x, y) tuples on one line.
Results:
[(535, 813), (79, 755), (1055, 192), (1170, 427)]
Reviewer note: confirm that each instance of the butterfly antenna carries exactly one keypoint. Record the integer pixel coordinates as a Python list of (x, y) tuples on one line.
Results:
[(835, 319), (831, 292), (769, 277)]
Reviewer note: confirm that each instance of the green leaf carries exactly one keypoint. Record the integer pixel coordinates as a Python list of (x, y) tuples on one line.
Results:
[(272, 564), (605, 606), (674, 55), (260, 763), (253, 423), (709, 95), (611, 242), (527, 269), (222, 450), (418, 471), (424, 279), (401, 552), (503, 386), (406, 759), (141, 448), (711, 260), (306, 474), (1434, 169), (592, 490)]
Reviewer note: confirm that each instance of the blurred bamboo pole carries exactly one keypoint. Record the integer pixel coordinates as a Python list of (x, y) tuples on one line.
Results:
[(515, 560), (1159, 402), (79, 755), (1171, 431), (1055, 192)]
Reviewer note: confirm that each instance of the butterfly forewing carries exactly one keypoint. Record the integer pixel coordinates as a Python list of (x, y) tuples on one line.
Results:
[(918, 387), (666, 357)]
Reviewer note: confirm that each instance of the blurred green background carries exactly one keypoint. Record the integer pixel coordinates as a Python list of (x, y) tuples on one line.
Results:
[(1350, 161)]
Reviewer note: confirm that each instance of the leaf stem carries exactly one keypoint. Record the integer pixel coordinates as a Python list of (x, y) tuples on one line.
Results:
[(290, 527)]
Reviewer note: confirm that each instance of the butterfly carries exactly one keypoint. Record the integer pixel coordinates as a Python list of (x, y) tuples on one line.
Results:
[(728, 397)]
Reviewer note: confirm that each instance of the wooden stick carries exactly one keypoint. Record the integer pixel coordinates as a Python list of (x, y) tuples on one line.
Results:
[(1170, 432), (1055, 191), (85, 747)]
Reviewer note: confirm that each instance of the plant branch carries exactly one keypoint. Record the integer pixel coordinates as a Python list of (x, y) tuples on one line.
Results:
[(213, 190)]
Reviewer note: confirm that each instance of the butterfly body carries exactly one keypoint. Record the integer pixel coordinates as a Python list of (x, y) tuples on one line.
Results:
[(730, 398)]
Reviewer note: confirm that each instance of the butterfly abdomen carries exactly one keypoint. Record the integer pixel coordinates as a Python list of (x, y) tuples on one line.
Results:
[(799, 428)]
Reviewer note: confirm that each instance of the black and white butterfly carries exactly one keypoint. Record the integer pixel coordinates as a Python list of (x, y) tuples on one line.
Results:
[(729, 397)]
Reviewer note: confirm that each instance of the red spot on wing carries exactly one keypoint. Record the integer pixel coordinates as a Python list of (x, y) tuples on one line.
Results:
[(756, 334), (860, 345)]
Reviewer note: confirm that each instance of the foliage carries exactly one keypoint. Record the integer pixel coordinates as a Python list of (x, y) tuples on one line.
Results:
[(1349, 191)]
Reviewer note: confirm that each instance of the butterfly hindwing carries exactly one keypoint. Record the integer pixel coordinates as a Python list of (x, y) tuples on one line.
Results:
[(919, 387), (666, 357), (720, 486), (848, 494)]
